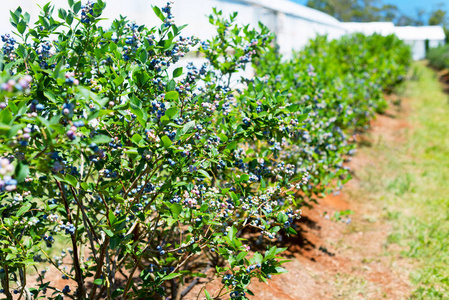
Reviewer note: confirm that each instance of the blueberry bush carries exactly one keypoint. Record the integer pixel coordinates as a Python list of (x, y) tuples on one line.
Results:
[(343, 83), (439, 57), (130, 176)]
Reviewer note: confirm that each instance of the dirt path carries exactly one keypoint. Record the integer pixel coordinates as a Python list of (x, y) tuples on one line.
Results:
[(337, 260)]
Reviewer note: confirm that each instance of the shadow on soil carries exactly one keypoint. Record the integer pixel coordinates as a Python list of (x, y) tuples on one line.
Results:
[(298, 244)]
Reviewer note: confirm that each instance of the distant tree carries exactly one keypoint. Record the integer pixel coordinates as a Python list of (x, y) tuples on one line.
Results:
[(389, 12), (420, 14), (356, 10), (343, 10), (440, 17), (376, 11), (404, 20)]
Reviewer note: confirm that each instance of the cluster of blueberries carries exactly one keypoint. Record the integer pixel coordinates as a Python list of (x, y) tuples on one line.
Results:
[(170, 19), (98, 152), (8, 47), (49, 240), (69, 228), (7, 183), (12, 86), (44, 52), (87, 12), (235, 294), (132, 41), (70, 79)]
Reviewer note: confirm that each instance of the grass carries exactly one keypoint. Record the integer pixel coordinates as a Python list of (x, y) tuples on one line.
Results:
[(410, 182)]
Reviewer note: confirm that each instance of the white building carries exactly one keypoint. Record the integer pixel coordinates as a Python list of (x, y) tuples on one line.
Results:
[(419, 38), (369, 28)]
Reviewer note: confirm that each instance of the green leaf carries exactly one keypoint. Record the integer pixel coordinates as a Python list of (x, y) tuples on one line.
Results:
[(177, 72), (244, 178), (144, 56), (232, 232), (50, 96), (69, 20), (136, 110), (291, 231), (282, 218), (112, 218), (21, 27), (71, 180), (5, 116), (23, 209), (187, 127), (136, 138), (204, 173), (98, 281), (14, 17), (199, 275), (171, 85), (275, 229), (101, 139), (158, 13), (108, 232), (165, 120), (223, 137), (208, 297), (257, 258), (22, 172), (44, 21), (77, 7), (172, 95), (302, 118), (119, 80), (176, 210), (166, 142), (172, 111), (62, 13), (231, 145), (171, 276), (294, 108), (270, 253), (241, 256), (280, 270), (26, 17)]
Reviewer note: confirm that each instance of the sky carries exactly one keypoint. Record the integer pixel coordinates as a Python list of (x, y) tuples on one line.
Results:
[(408, 7)]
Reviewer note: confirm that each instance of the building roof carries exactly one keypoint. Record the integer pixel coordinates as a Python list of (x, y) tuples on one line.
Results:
[(295, 9), (383, 28), (420, 33)]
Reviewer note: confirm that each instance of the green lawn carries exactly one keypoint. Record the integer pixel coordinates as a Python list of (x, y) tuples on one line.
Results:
[(426, 232), (410, 181)]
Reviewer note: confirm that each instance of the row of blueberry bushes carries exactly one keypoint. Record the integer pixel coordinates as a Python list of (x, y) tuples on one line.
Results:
[(131, 177), (439, 57)]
